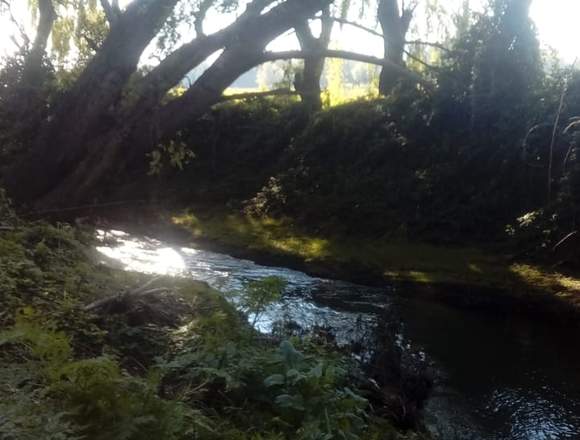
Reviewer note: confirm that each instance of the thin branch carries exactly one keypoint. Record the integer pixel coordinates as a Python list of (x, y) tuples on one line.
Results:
[(356, 25), (250, 95), (199, 16), (555, 130), (379, 34), (17, 25), (93, 45), (420, 61), (428, 43), (572, 126), (346, 55)]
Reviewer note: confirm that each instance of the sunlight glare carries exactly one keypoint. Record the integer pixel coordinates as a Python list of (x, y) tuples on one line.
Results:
[(139, 256)]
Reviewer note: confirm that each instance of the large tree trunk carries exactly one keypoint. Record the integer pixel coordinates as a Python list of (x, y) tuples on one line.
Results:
[(26, 103), (307, 83), (140, 130), (32, 72), (395, 25), (87, 107)]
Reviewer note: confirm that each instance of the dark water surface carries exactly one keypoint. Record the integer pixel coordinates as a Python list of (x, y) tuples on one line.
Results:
[(501, 378)]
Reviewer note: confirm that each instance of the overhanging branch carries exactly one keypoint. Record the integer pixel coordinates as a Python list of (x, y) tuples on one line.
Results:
[(431, 44), (352, 56), (357, 25), (380, 35), (420, 61), (264, 94)]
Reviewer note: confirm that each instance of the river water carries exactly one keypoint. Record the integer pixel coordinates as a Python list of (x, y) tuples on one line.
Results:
[(501, 378)]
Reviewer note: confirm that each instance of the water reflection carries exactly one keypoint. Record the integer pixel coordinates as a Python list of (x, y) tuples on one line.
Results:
[(501, 378), (146, 256)]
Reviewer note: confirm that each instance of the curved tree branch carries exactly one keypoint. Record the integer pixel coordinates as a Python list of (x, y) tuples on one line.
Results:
[(151, 89), (250, 95), (346, 55), (428, 43), (357, 25), (18, 26), (420, 61), (240, 55)]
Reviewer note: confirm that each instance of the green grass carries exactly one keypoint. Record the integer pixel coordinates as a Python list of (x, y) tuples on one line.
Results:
[(400, 261)]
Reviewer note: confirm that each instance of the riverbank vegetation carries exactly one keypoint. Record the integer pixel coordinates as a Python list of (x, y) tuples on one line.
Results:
[(463, 276), (451, 163), (93, 352)]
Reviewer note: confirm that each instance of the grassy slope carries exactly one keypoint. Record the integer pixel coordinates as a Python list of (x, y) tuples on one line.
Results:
[(400, 261)]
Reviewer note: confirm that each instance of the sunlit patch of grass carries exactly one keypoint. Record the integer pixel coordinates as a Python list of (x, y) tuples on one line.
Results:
[(397, 260), (563, 286), (401, 261)]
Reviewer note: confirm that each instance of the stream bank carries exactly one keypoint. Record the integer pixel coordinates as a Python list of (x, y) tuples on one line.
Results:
[(467, 278), (497, 378), (92, 351)]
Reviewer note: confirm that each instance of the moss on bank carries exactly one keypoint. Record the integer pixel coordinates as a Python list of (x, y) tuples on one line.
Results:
[(485, 276)]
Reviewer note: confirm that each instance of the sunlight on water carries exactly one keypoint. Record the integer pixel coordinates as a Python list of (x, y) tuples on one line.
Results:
[(229, 274), (134, 255)]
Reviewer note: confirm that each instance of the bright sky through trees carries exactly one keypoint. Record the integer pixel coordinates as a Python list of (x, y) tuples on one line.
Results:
[(556, 21)]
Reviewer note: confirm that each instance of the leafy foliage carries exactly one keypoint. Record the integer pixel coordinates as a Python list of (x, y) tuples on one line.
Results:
[(91, 397), (66, 374), (175, 154), (257, 295)]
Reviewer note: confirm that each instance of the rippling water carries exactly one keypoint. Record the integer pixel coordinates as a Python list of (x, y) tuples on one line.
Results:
[(502, 378)]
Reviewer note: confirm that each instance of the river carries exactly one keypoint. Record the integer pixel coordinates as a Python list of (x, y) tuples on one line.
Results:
[(500, 377)]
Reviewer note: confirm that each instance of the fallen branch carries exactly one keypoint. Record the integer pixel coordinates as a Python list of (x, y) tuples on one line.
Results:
[(143, 306), (112, 302)]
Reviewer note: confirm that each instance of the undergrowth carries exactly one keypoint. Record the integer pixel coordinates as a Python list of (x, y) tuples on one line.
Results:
[(68, 373)]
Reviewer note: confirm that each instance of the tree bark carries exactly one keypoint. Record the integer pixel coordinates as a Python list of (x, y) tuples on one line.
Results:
[(395, 25), (152, 88), (308, 82), (32, 73), (86, 109), (242, 54)]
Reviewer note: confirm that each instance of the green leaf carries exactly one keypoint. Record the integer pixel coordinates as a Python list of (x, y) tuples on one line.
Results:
[(290, 355), (317, 371), (274, 379), (290, 401)]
